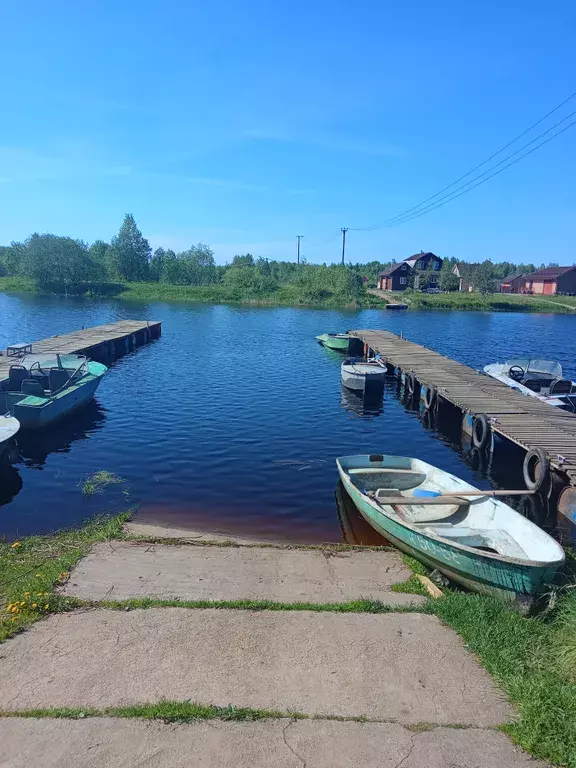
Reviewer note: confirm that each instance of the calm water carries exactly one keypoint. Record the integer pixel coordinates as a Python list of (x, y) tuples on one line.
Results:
[(232, 420)]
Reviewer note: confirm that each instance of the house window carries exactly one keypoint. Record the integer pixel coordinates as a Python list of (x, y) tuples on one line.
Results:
[(432, 279), (437, 265), (420, 264), (403, 267), (403, 280)]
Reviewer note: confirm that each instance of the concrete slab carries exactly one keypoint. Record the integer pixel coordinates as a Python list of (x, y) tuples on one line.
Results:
[(98, 742), (152, 531), (120, 570), (405, 667)]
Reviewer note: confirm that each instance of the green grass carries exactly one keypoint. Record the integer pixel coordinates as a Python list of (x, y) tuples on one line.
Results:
[(98, 481), (491, 302), (32, 568), (564, 641), (520, 655), (351, 606)]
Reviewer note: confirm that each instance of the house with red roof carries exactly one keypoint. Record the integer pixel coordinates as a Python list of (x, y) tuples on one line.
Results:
[(551, 280)]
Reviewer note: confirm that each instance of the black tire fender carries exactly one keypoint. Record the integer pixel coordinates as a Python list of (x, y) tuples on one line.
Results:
[(411, 383), (430, 397), (481, 431), (536, 468)]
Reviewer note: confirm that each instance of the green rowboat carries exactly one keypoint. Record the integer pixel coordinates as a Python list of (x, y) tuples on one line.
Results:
[(478, 542), (337, 341)]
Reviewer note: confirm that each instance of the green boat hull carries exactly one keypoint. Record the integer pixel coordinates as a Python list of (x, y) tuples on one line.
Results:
[(510, 580), (334, 342)]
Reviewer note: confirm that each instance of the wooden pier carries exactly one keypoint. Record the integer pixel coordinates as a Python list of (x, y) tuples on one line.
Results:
[(102, 342), (524, 420)]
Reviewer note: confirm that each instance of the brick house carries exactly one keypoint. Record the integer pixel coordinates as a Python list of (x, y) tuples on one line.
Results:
[(396, 277), (551, 280)]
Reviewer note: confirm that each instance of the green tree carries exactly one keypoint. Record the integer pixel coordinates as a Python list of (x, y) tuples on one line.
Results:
[(243, 260), (483, 279), (100, 253), (448, 280), (248, 281), (156, 266), (61, 262), (131, 251)]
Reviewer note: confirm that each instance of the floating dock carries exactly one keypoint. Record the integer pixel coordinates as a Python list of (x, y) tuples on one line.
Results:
[(524, 420), (102, 342)]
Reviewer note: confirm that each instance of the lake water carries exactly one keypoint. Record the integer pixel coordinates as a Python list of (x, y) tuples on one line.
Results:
[(232, 420)]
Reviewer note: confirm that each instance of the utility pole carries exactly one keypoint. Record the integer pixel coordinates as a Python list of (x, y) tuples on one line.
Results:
[(299, 237), (344, 230)]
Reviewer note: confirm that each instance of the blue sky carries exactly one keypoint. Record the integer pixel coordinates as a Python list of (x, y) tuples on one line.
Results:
[(244, 124)]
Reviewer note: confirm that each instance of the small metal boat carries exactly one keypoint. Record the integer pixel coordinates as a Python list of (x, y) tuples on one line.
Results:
[(542, 379), (475, 540), (337, 341), (9, 426), (42, 388), (362, 374)]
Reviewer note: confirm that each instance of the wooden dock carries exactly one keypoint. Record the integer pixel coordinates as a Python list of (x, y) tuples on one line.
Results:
[(524, 420), (102, 342)]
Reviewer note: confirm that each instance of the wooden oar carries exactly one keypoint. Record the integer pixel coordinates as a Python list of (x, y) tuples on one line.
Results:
[(501, 492), (441, 498)]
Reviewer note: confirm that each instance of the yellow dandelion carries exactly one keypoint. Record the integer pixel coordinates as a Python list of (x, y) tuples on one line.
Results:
[(38, 575), (26, 594), (34, 605), (16, 545), (46, 607), (14, 618), (23, 603)]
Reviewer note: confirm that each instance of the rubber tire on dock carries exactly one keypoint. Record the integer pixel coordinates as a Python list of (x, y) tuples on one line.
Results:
[(536, 469), (430, 397), (411, 383), (481, 431)]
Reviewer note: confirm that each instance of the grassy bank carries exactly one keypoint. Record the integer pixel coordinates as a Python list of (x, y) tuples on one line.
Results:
[(491, 302), (295, 296), (32, 568)]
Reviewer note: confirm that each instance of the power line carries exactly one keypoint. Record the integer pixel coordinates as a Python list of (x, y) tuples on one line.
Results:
[(449, 186), (394, 219), (439, 204)]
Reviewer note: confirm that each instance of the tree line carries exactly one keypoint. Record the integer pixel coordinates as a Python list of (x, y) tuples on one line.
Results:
[(67, 265)]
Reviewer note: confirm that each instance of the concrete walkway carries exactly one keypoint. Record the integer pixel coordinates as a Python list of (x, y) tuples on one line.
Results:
[(406, 673), (122, 570)]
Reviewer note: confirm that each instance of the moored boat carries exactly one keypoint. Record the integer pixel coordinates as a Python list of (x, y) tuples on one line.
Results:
[(42, 388), (9, 426), (477, 541), (542, 379), (361, 375), (337, 341)]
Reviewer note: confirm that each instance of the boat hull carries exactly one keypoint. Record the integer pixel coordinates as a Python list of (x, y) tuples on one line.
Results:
[(512, 581), (334, 342), (35, 413), (361, 377)]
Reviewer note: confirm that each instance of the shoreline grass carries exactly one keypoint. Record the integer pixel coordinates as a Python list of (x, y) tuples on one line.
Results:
[(294, 296), (32, 568)]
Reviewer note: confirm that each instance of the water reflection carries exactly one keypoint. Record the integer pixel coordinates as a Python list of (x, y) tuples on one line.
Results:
[(34, 446), (10, 481), (354, 528), (367, 404)]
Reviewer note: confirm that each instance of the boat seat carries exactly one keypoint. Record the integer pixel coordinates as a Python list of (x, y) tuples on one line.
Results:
[(561, 387), (32, 387), (497, 540), (16, 376), (415, 514), (57, 378)]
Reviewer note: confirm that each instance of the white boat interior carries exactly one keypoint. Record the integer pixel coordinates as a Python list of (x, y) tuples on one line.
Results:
[(539, 378), (482, 523)]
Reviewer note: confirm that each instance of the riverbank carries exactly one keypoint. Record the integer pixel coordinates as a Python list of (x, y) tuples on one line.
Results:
[(531, 659), (295, 296)]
